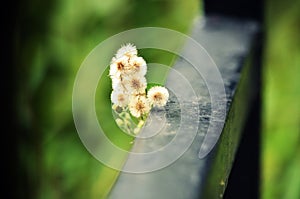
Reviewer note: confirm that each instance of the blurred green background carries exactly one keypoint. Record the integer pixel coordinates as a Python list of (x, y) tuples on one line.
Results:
[(281, 101), (53, 38)]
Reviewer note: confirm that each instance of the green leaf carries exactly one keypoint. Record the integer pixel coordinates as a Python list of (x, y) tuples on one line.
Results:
[(150, 85)]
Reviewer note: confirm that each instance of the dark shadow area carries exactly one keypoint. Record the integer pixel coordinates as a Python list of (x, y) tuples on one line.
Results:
[(244, 178), (234, 8)]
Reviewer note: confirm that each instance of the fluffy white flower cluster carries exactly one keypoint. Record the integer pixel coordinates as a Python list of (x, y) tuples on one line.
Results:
[(127, 72)]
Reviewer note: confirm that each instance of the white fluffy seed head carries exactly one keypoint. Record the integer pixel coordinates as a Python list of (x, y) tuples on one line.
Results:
[(139, 106), (135, 83), (158, 96), (116, 82), (127, 72), (118, 67), (126, 50), (119, 97), (137, 65)]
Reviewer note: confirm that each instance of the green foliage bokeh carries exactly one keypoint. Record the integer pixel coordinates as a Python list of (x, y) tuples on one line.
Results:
[(52, 40)]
